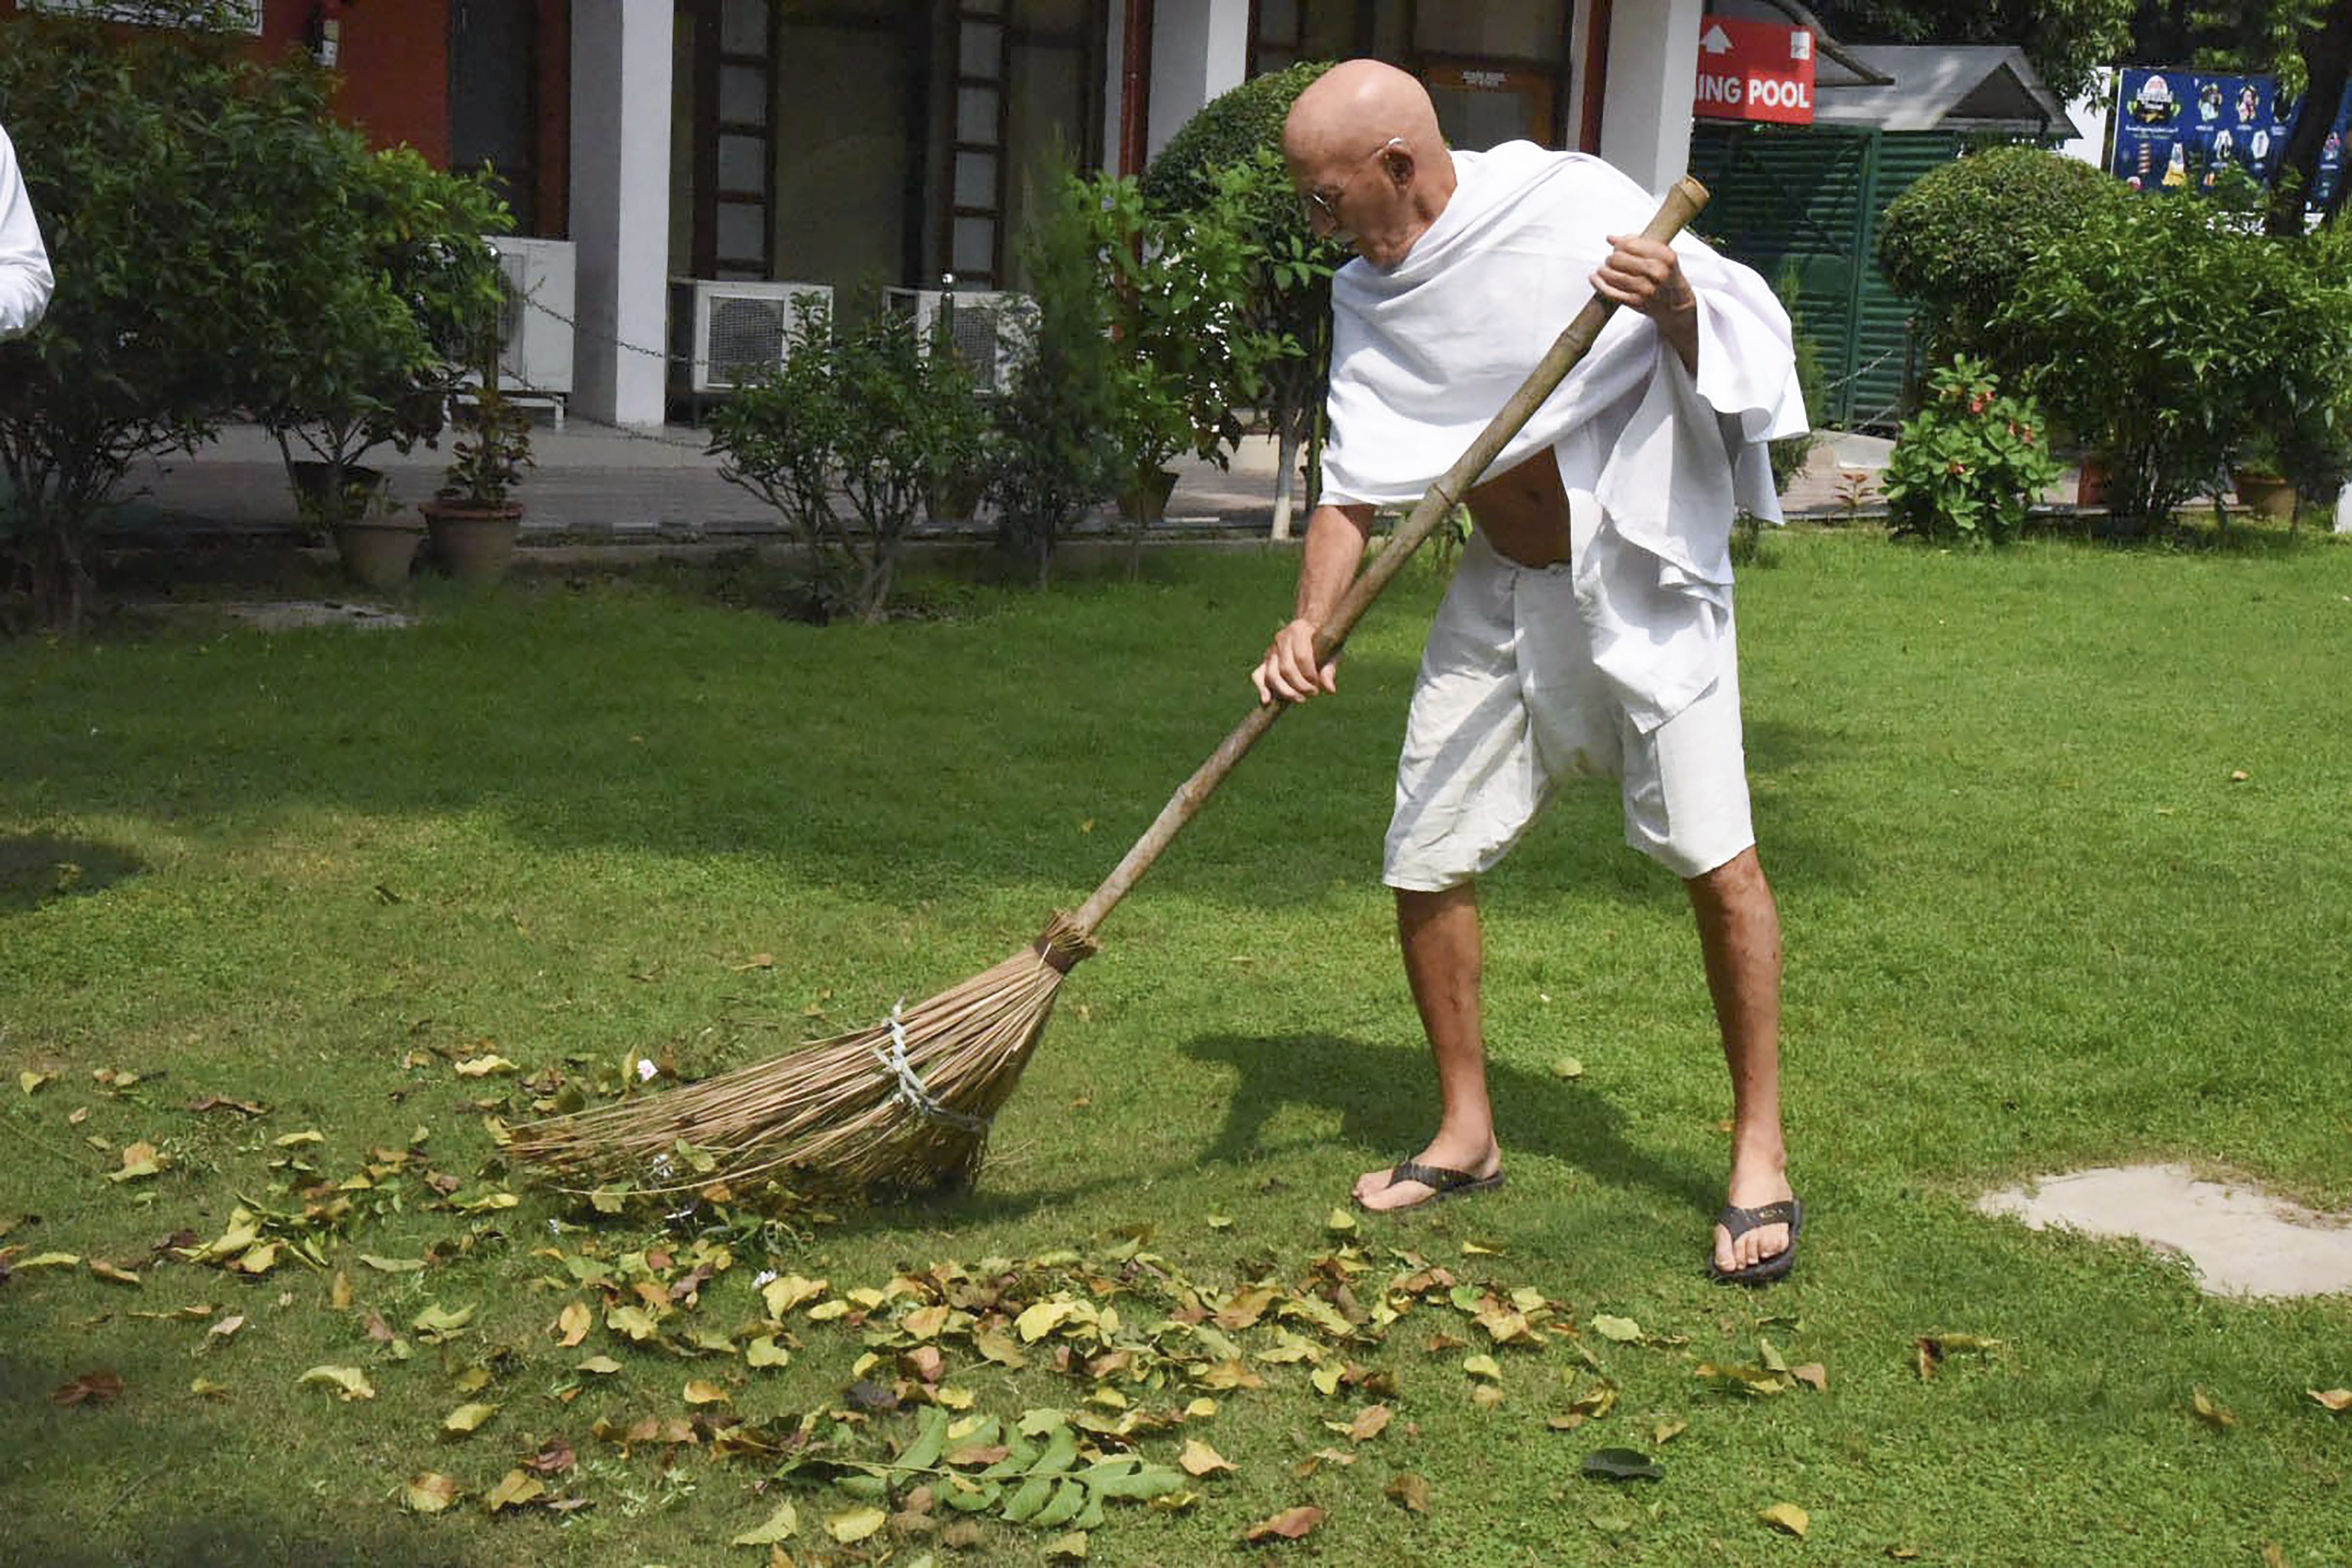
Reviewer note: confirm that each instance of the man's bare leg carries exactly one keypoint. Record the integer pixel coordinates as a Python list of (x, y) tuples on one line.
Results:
[(1443, 957), (1739, 933)]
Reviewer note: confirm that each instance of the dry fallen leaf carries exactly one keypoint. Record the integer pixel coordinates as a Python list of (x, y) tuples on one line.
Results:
[(90, 1388), (2336, 1399), (2212, 1415), (429, 1493), (781, 1525), (1370, 1423), (1290, 1524), (1199, 1459), (1408, 1491), (467, 1418), (1787, 1517), (350, 1379), (1813, 1375), (514, 1490), (573, 1324), (856, 1524)]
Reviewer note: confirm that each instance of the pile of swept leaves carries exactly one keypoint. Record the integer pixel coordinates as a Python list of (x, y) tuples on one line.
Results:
[(903, 1450)]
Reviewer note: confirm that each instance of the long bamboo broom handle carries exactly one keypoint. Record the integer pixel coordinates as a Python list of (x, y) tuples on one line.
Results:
[(1683, 204)]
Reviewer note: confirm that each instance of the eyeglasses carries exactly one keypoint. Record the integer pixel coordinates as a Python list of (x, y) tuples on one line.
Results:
[(1313, 204)]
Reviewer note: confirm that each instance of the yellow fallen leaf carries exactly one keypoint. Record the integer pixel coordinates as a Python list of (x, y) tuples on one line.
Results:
[(1341, 1221), (468, 1418), (573, 1324), (428, 1493), (296, 1140), (602, 1365), (350, 1380), (339, 1293), (257, 1260), (514, 1490), (702, 1391), (780, 1296), (1200, 1459), (49, 1260), (483, 1066), (781, 1525), (1567, 1066), (106, 1271), (1789, 1517), (140, 1161), (856, 1524), (2212, 1415), (1482, 1366), (766, 1351), (28, 1080), (206, 1388)]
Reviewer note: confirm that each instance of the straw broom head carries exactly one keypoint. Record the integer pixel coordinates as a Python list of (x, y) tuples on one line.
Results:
[(841, 1112)]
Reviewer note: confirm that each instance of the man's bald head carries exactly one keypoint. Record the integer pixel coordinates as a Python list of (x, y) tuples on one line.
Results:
[(1355, 106), (1365, 153)]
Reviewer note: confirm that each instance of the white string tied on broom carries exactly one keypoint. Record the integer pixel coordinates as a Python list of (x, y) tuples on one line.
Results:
[(912, 1091)]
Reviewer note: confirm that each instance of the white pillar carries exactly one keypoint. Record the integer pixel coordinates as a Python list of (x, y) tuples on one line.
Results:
[(1199, 50), (620, 206), (1645, 110)]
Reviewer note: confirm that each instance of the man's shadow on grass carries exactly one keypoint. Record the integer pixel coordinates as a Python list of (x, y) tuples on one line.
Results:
[(1386, 1099)]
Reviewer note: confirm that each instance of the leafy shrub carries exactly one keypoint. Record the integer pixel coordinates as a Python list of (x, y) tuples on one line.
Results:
[(1056, 451), (1788, 455), (392, 297), (869, 415), (1230, 155), (179, 183), (1970, 464), (2164, 335), (1960, 237)]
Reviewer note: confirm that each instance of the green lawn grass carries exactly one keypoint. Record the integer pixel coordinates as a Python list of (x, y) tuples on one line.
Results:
[(2034, 921)]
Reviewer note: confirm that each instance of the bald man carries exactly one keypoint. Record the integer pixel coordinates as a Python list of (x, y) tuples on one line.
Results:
[(25, 277), (1588, 631)]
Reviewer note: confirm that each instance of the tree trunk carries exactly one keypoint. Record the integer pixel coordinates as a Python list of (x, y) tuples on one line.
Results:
[(2326, 52), (1285, 479)]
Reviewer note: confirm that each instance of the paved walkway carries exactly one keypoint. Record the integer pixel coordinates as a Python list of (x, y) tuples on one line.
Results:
[(665, 485)]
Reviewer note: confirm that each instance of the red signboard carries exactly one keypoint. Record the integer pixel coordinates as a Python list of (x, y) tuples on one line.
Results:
[(1754, 70)]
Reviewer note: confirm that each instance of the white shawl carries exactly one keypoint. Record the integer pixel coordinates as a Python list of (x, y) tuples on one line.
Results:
[(1425, 354)]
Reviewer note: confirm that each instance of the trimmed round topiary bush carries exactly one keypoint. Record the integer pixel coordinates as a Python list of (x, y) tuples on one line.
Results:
[(1230, 128), (1958, 240)]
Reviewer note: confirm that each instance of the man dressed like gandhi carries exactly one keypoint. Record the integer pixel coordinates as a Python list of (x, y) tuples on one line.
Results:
[(1588, 631)]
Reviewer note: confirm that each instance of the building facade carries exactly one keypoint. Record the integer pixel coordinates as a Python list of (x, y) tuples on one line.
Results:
[(856, 143)]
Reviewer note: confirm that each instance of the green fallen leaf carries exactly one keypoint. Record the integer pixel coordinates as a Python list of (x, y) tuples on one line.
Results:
[(393, 1265), (1567, 1066), (1623, 1330), (1623, 1465), (438, 1322)]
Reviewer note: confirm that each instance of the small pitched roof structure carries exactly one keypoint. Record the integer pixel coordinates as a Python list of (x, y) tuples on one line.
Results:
[(1939, 87)]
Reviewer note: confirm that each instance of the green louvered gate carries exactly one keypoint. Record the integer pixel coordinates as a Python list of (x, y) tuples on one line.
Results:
[(1808, 200)]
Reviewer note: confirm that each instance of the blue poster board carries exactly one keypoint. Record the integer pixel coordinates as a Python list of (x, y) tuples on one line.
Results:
[(2178, 130)]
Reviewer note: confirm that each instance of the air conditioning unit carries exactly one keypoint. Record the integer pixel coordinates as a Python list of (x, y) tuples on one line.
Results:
[(989, 330), (726, 330), (535, 328)]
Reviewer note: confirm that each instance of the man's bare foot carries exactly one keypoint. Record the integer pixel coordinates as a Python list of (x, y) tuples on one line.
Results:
[(1437, 1171)]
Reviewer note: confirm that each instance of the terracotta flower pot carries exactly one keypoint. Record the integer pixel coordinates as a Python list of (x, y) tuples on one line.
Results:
[(378, 551), (2264, 494), (1145, 502), (473, 543)]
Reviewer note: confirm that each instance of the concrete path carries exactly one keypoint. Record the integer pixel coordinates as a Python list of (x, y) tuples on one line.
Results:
[(653, 484), (2242, 1241)]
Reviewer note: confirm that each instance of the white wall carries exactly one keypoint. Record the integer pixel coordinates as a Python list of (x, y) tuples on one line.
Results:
[(621, 53), (1199, 50), (1645, 127)]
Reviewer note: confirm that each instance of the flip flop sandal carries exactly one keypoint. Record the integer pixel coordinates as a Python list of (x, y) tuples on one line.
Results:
[(1739, 1222), (1441, 1182)]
